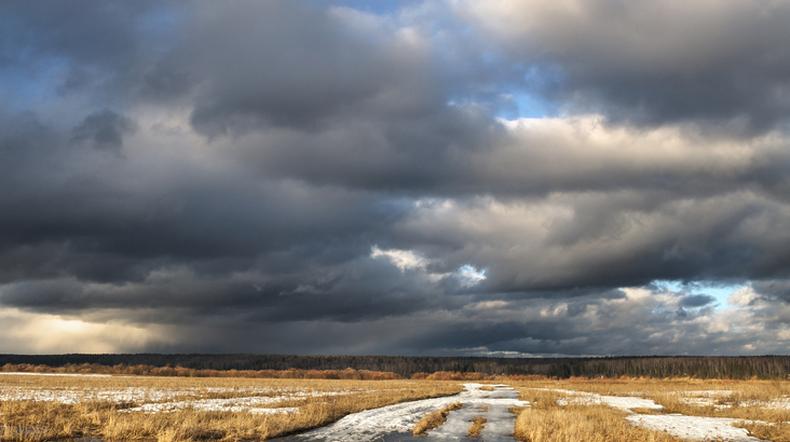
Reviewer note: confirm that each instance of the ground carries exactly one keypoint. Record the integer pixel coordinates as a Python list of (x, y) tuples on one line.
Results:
[(56, 407)]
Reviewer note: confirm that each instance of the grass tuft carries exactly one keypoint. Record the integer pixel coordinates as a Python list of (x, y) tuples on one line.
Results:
[(434, 419), (478, 423)]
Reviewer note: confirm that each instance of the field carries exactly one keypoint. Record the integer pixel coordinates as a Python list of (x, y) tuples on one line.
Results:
[(685, 408), (39, 407)]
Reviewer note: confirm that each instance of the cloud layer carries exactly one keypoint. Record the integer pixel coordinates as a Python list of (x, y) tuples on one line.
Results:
[(450, 177)]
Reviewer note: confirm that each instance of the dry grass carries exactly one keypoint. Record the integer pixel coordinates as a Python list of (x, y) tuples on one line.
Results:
[(743, 396), (626, 386), (775, 432), (593, 423), (434, 419), (29, 421), (673, 403), (545, 421), (478, 423), (486, 388), (150, 370)]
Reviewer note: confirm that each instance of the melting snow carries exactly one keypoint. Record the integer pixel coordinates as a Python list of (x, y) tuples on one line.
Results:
[(251, 404), (719, 399), (399, 419), (73, 396), (687, 427), (694, 427), (626, 403), (494, 406)]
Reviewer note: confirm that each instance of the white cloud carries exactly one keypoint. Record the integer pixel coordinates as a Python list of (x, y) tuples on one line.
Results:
[(469, 276), (402, 259)]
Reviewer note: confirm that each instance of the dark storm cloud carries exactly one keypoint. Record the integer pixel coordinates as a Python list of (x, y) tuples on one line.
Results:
[(294, 177), (85, 31), (652, 62), (696, 300), (777, 289), (103, 129)]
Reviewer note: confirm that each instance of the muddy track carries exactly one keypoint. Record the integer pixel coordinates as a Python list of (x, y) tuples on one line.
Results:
[(395, 422)]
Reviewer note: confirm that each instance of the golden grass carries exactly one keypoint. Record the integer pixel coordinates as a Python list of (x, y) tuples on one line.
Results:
[(545, 421), (744, 396), (552, 423), (434, 419), (594, 423), (775, 432), (673, 403), (478, 423), (626, 386), (150, 370), (486, 388), (28, 421)]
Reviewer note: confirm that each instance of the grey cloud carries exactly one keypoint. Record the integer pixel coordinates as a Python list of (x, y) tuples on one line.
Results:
[(651, 62), (103, 129), (696, 300), (268, 147), (711, 238), (775, 288), (297, 66)]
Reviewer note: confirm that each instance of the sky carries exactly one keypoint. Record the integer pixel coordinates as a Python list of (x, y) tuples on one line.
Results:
[(448, 177)]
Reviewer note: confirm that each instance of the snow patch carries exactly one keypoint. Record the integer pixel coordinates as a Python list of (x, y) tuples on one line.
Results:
[(626, 403), (251, 404), (494, 406), (73, 396), (694, 427), (400, 418), (719, 399), (686, 427)]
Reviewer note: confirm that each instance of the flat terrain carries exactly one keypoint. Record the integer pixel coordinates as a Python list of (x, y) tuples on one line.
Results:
[(36, 407)]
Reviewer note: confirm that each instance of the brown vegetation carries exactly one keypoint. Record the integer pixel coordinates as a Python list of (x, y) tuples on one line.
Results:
[(434, 419), (594, 423), (148, 370), (545, 421), (478, 423), (28, 421), (773, 432), (747, 367), (742, 397), (452, 376)]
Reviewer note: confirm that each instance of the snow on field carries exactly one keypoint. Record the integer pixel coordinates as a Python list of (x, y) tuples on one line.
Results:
[(686, 427), (251, 404), (378, 422), (782, 403), (494, 406), (626, 403), (694, 427), (165, 399), (707, 393), (73, 396), (719, 399), (399, 419)]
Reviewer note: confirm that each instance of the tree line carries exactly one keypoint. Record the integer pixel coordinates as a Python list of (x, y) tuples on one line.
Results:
[(735, 367)]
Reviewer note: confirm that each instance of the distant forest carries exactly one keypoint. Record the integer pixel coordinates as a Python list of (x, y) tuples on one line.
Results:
[(765, 367)]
